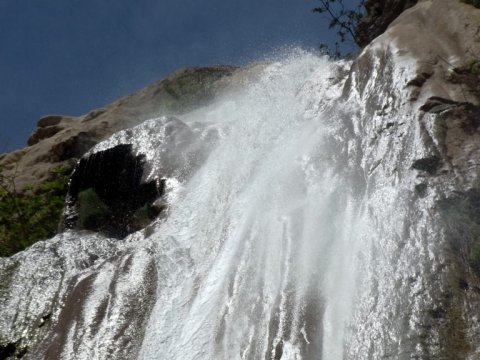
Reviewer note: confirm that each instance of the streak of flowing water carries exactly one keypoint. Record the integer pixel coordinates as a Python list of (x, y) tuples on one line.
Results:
[(260, 253), (296, 228), (315, 210)]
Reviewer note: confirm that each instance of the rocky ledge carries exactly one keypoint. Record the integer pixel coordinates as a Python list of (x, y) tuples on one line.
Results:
[(59, 139)]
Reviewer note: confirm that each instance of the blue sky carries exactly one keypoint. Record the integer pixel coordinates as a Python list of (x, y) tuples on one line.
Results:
[(70, 56)]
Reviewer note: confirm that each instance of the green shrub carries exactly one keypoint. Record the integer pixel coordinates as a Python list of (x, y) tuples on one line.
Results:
[(32, 215)]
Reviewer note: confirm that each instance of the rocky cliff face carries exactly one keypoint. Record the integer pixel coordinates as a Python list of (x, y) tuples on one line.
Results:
[(418, 131), (59, 139), (407, 135), (37, 174)]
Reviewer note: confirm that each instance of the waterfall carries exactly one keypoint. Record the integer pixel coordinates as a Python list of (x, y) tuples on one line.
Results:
[(260, 253), (299, 222)]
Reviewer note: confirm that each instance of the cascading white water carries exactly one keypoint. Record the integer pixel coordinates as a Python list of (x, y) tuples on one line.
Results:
[(296, 228), (258, 257), (316, 210)]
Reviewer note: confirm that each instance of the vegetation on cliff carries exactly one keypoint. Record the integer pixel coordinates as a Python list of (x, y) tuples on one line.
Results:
[(33, 215)]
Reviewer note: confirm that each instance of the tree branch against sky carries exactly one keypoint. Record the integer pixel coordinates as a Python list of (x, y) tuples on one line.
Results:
[(342, 17)]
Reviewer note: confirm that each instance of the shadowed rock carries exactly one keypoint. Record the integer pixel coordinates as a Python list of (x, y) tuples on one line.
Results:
[(430, 164), (380, 13), (106, 193)]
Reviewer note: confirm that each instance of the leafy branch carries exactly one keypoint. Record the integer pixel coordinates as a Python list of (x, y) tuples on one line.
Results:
[(343, 19)]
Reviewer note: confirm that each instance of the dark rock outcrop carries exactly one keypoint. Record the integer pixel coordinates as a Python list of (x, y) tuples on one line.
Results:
[(380, 14), (72, 148), (7, 351), (106, 193), (43, 133), (48, 126), (428, 164)]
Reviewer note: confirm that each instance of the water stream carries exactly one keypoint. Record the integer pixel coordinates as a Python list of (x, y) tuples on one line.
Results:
[(293, 231), (267, 234)]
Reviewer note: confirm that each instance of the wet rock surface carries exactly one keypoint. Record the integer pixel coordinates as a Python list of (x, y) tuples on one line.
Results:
[(421, 137), (83, 279), (29, 311), (114, 314)]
